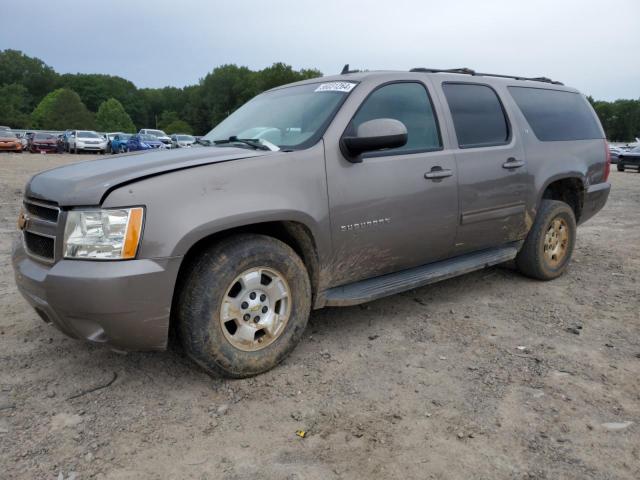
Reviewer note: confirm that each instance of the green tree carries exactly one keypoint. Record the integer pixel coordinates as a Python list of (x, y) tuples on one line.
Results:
[(62, 109), (94, 89), (14, 106), (37, 77), (112, 117), (178, 126)]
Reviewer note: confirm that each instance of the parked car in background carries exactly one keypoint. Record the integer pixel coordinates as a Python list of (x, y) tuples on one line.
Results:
[(159, 134), (119, 142), (141, 141), (87, 140), (614, 152), (182, 140), (9, 141), (109, 137), (2, 127), (43, 142), (26, 140), (629, 159)]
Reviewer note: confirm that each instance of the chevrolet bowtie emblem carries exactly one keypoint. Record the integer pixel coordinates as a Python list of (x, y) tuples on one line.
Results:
[(22, 221)]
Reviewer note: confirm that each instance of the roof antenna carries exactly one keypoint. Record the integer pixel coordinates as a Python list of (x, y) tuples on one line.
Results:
[(345, 69)]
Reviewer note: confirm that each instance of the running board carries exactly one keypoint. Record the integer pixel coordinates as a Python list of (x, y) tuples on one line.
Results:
[(392, 283)]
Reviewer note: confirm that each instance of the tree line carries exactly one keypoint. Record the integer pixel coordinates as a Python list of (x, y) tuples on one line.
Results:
[(34, 95)]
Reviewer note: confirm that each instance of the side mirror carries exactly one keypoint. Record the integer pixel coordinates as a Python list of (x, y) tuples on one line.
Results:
[(377, 134)]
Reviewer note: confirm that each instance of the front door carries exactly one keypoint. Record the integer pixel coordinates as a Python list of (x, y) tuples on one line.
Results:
[(386, 215)]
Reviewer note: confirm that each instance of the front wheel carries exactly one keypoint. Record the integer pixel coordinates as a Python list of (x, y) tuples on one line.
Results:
[(243, 305), (620, 167), (549, 245)]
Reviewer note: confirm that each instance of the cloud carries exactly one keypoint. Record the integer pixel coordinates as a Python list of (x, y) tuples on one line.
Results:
[(585, 44)]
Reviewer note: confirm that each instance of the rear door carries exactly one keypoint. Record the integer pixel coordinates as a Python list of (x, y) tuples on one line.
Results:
[(492, 174), (385, 214)]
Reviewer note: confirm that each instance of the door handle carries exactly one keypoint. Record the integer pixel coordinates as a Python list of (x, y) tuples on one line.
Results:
[(512, 162), (437, 173)]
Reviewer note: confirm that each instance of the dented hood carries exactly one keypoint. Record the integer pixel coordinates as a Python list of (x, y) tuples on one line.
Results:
[(86, 183)]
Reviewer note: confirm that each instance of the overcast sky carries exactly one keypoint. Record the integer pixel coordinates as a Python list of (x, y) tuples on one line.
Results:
[(591, 45)]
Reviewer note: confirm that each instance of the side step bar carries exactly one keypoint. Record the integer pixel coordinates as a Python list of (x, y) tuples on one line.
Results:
[(392, 283)]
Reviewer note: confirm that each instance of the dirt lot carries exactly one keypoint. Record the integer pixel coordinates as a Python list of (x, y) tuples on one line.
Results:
[(488, 376)]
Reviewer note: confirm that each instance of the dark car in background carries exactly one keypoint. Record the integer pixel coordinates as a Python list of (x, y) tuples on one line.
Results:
[(118, 143), (144, 141), (9, 141), (629, 159), (43, 142)]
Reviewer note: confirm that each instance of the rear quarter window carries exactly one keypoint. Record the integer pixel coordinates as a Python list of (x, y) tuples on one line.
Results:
[(556, 115)]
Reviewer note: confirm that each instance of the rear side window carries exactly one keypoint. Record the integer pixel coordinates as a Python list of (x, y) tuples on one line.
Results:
[(477, 113), (555, 115), (409, 103)]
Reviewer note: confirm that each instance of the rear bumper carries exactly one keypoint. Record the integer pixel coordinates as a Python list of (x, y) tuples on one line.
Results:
[(124, 304), (595, 196)]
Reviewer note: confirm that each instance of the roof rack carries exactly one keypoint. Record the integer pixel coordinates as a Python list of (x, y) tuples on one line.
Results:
[(468, 71)]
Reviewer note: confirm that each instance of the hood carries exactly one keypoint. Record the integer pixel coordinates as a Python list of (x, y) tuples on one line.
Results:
[(86, 183)]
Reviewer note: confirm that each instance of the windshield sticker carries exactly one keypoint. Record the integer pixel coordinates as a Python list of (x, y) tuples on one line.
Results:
[(335, 87)]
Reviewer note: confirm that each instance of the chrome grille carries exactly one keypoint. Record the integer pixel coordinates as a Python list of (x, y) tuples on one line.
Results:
[(41, 229)]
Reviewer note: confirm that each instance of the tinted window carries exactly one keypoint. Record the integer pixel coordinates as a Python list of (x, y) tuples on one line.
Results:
[(556, 115), (408, 103), (477, 114)]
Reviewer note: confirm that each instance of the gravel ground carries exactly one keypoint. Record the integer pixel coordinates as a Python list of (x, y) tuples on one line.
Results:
[(487, 376)]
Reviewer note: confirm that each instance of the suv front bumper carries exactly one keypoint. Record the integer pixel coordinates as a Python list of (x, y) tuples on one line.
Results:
[(595, 196), (126, 304)]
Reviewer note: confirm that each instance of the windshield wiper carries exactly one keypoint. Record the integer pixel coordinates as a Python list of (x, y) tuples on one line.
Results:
[(252, 142)]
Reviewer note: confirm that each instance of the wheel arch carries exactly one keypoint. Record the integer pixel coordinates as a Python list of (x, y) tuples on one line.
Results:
[(568, 188), (295, 234)]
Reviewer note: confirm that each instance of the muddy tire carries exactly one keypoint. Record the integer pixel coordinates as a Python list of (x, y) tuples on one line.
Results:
[(243, 305), (549, 245)]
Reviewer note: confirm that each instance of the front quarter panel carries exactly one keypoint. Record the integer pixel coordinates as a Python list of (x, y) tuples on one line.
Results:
[(185, 206)]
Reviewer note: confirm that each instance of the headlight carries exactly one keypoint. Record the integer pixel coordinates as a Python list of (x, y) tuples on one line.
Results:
[(103, 234)]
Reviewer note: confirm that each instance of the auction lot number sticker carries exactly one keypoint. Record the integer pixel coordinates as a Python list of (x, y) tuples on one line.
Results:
[(335, 87)]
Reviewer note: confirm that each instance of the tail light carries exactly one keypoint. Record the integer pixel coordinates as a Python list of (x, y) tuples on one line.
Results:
[(607, 160)]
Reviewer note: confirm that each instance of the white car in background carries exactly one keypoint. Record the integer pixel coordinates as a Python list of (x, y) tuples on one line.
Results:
[(182, 140), (87, 140), (159, 134)]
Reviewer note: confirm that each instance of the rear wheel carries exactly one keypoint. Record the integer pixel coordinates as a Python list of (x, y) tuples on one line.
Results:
[(243, 305), (549, 245)]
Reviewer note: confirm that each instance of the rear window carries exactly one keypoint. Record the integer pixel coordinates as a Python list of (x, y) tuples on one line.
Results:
[(477, 113), (555, 115)]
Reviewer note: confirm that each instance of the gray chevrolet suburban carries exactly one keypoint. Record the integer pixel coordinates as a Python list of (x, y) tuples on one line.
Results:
[(327, 192)]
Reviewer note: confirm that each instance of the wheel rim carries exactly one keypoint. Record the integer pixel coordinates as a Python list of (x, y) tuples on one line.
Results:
[(255, 309), (556, 242)]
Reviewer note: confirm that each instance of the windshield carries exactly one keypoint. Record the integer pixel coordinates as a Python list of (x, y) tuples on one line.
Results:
[(636, 149), (82, 134), (44, 136), (186, 138), (157, 133), (291, 117), (123, 136), (148, 138), (7, 134)]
